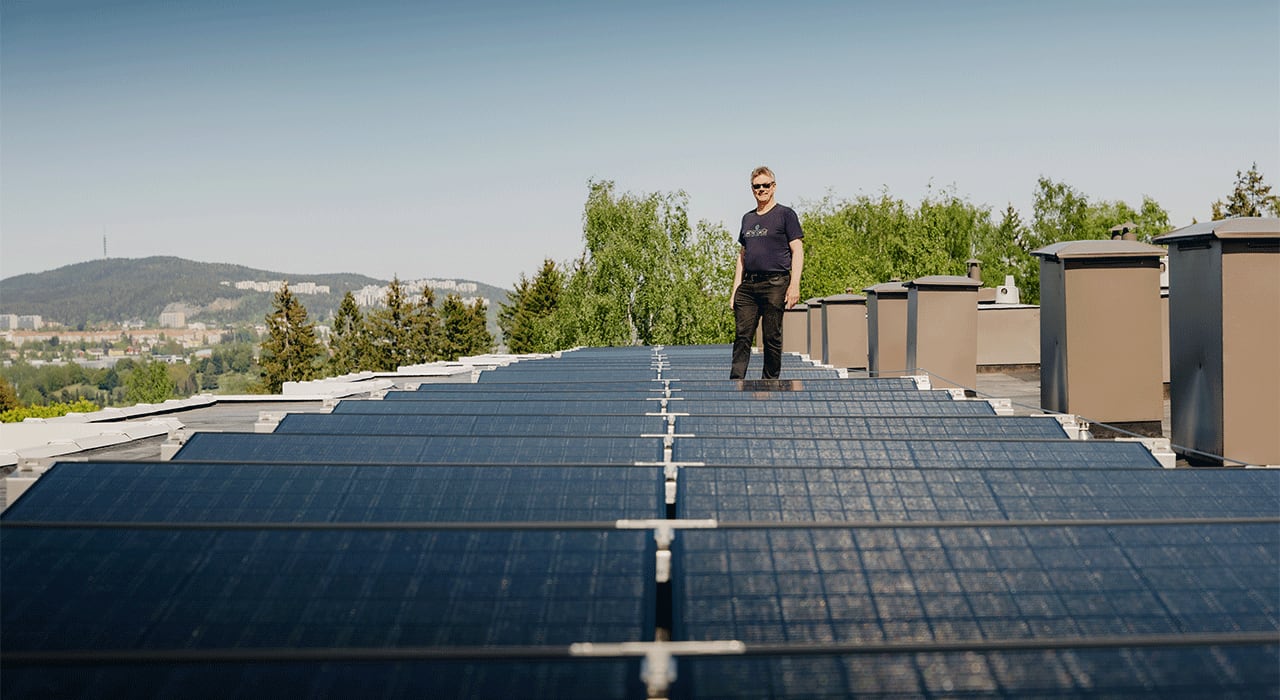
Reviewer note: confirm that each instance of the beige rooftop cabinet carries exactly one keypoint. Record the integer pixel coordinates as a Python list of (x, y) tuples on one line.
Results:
[(795, 329), (1100, 333), (844, 331), (942, 329), (1224, 339), (814, 318), (887, 329)]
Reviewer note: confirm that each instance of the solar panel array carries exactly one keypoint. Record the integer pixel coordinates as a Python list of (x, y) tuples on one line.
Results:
[(628, 523)]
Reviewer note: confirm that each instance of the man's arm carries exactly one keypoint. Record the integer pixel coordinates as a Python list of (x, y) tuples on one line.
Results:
[(737, 277), (797, 269)]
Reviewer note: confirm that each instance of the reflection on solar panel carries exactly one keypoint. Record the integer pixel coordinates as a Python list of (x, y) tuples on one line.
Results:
[(1203, 671), (840, 407), (638, 395), (919, 454), (873, 426), (585, 679), (416, 449), (426, 424), (132, 589), (559, 407), (976, 584), (196, 492), (843, 494), (816, 536)]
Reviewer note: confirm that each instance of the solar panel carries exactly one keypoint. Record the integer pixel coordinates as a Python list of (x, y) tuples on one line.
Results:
[(873, 427), (588, 679), (426, 424), (724, 384), (776, 397), (873, 539), (838, 407), (196, 492), (415, 449), (898, 494), (975, 584), (559, 407), (565, 376), (139, 589), (909, 453), (1199, 672), (541, 396), (548, 387)]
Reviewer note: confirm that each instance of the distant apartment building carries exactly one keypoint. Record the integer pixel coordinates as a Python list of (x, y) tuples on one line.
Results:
[(173, 319), (30, 323), (274, 286), (373, 295), (8, 322)]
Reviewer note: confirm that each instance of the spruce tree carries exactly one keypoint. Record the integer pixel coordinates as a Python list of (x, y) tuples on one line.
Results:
[(465, 331), (525, 318), (350, 338), (1251, 197), (290, 353), (422, 331), (387, 327)]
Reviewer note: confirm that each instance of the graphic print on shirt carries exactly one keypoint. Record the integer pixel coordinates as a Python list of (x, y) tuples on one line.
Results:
[(755, 232)]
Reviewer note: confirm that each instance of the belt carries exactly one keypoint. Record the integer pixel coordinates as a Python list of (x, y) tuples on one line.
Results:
[(762, 276)]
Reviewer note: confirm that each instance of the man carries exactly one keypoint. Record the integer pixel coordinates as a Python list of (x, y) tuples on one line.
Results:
[(766, 280)]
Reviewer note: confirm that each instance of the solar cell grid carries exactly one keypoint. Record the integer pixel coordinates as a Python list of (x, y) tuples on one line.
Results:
[(920, 454), (873, 426), (500, 451), (975, 583), (774, 397), (559, 407), (415, 449), (548, 387), (846, 407), (540, 396), (1200, 672), (730, 494), (427, 424), (192, 589), (588, 679), (195, 492)]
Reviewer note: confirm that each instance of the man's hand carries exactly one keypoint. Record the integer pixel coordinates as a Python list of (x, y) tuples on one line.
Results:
[(732, 294), (793, 295)]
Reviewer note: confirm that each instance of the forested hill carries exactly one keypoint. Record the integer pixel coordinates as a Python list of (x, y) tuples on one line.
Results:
[(120, 289)]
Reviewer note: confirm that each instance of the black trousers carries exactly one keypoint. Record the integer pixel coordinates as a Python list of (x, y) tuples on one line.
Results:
[(759, 300)]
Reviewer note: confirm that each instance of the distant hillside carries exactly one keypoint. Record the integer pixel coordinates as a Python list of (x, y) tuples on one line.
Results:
[(121, 289)]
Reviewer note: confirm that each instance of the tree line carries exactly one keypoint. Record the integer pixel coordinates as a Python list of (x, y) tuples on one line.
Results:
[(646, 276), (402, 331)]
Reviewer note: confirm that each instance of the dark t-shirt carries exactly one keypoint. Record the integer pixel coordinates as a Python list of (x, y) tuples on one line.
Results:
[(766, 239)]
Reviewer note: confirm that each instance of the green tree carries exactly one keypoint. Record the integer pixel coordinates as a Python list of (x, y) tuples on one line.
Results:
[(402, 332), (290, 352), (464, 330), (388, 330), (148, 383), (423, 330), (1064, 214), (1251, 197), (636, 281), (867, 240), (8, 397), (350, 337), (525, 320)]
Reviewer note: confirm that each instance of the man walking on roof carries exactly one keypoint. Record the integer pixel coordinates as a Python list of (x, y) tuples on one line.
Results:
[(766, 280)]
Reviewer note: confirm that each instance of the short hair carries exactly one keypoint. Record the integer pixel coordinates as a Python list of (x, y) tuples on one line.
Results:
[(762, 170)]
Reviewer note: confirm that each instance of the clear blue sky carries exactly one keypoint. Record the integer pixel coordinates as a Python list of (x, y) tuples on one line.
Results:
[(430, 140)]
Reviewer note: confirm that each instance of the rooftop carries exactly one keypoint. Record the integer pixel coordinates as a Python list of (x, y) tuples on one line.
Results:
[(626, 523)]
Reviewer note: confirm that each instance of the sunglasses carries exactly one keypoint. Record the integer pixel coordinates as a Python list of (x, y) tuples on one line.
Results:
[(761, 186)]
